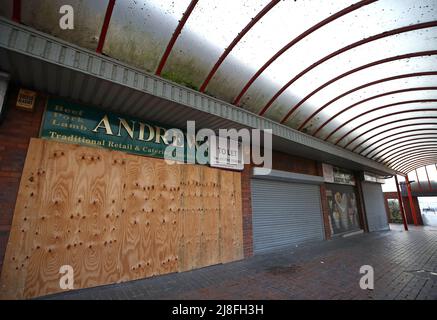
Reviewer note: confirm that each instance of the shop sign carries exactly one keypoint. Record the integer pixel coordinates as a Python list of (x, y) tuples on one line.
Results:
[(333, 174), (225, 153), (328, 173), (26, 99), (372, 178), (70, 123), (342, 176)]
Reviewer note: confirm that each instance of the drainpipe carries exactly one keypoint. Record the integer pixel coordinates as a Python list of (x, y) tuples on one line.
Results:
[(410, 197), (4, 82), (401, 205)]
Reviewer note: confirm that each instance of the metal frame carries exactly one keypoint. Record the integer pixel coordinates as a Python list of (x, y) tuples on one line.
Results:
[(417, 151), (375, 146), (427, 176), (402, 76), (398, 154), (234, 42), (392, 147), (18, 40), (304, 34), (416, 162), (347, 73), (394, 128), (410, 197), (376, 109), (418, 181), (364, 100), (419, 164), (401, 204), (338, 52), (175, 36), (105, 26), (378, 118)]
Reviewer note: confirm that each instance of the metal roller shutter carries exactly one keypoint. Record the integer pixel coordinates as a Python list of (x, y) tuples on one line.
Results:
[(374, 204), (285, 214)]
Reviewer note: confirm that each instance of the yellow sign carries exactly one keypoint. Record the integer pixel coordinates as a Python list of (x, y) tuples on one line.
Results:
[(26, 99)]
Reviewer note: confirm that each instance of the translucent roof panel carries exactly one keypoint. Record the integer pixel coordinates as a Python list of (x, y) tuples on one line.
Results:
[(210, 29), (141, 29), (394, 100), (286, 21), (413, 162), (372, 114), (358, 130), (353, 73), (432, 172), (405, 146), (367, 21), (88, 19), (397, 158), (421, 173), (379, 143), (371, 74), (402, 44), (330, 112)]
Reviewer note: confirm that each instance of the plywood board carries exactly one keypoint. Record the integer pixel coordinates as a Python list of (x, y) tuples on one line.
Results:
[(116, 217)]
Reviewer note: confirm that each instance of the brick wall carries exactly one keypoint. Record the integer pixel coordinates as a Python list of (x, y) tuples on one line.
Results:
[(286, 162), (16, 129), (247, 211)]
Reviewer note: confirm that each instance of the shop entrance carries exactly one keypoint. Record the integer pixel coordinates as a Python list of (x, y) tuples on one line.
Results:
[(285, 213)]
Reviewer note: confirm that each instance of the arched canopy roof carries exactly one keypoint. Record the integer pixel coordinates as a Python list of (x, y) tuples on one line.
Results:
[(358, 74)]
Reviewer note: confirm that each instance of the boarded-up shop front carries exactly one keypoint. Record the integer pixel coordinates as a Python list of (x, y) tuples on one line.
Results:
[(114, 216)]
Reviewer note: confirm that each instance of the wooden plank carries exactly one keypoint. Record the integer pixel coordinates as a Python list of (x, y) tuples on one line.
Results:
[(137, 237), (116, 217), (211, 212), (23, 240), (167, 178), (237, 217), (191, 231), (226, 212)]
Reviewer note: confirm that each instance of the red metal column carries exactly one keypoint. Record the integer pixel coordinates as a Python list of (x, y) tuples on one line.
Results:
[(429, 182), (401, 205), (105, 26), (175, 36), (410, 197), (418, 181), (234, 42)]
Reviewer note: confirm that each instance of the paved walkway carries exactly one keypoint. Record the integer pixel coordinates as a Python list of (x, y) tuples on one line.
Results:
[(405, 265)]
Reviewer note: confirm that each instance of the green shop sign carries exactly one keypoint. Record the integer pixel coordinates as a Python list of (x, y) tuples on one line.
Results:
[(71, 123)]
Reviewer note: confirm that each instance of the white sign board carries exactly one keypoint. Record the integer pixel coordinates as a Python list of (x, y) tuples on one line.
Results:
[(225, 153)]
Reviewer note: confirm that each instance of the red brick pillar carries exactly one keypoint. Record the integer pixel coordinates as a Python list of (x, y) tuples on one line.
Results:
[(247, 211), (16, 129)]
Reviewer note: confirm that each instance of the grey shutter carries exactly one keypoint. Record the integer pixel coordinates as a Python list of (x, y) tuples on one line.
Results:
[(285, 214), (374, 204)]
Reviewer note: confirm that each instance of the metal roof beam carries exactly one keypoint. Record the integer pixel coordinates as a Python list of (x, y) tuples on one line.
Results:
[(234, 42), (303, 35), (363, 101)]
